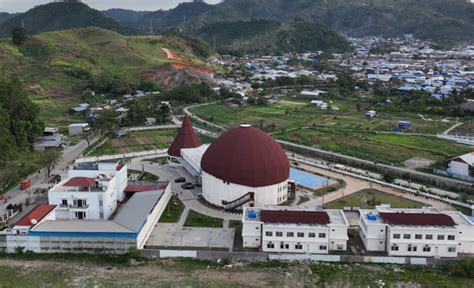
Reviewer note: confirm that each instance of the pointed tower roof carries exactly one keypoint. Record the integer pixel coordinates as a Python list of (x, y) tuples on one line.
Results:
[(186, 138)]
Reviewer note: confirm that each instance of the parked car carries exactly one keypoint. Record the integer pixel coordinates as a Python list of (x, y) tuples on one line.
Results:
[(187, 186), (180, 180)]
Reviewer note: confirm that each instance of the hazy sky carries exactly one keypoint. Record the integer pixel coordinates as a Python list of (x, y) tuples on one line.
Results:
[(23, 5)]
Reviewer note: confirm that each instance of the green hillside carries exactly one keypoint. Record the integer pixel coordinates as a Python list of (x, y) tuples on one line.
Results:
[(446, 22), (58, 66), (271, 36), (61, 15)]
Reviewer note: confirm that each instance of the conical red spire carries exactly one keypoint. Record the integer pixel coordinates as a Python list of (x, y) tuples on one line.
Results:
[(186, 138)]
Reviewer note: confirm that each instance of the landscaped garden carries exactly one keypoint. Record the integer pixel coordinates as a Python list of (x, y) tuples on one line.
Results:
[(369, 198), (173, 211), (196, 219)]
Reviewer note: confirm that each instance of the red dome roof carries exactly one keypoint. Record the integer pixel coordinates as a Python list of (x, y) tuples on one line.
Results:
[(246, 156), (186, 138)]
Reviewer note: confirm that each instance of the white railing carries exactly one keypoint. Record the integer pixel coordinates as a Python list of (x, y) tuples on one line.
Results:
[(143, 154), (468, 140)]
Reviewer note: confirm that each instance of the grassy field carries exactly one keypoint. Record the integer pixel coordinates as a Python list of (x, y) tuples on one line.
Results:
[(137, 141), (90, 271), (347, 131), (196, 219), (173, 211), (367, 199), (141, 141)]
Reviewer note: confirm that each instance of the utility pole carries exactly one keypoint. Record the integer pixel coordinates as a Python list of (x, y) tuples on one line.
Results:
[(214, 41)]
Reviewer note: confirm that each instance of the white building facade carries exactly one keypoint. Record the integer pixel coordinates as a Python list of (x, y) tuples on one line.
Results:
[(91, 191), (424, 232), (217, 191), (306, 230)]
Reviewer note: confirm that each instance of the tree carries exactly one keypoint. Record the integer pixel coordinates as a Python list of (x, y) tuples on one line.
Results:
[(48, 160), (106, 121), (18, 35), (388, 178)]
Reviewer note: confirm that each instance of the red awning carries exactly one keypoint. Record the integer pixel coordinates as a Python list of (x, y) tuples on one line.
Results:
[(81, 182)]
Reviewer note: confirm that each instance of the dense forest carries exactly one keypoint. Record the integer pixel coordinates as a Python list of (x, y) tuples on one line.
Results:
[(61, 15), (267, 36)]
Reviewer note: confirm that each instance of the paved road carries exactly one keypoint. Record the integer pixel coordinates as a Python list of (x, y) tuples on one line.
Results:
[(38, 180), (188, 197)]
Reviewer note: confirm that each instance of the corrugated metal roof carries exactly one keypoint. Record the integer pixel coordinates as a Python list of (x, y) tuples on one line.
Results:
[(417, 219), (296, 217), (136, 210), (81, 226)]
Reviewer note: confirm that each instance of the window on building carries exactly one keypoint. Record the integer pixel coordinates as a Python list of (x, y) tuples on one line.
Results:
[(64, 203), (429, 237), (451, 249), (340, 247), (394, 247), (406, 236), (440, 237), (287, 246), (311, 235), (322, 235), (81, 215), (396, 236), (451, 237), (299, 246), (300, 234), (290, 234), (279, 234), (418, 236), (411, 248), (268, 233), (282, 245), (101, 214), (323, 247), (426, 248), (270, 245)]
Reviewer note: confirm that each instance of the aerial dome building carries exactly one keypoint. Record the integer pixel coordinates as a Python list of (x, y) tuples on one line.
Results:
[(245, 167)]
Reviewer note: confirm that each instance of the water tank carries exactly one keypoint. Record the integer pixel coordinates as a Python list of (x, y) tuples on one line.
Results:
[(251, 214), (371, 217)]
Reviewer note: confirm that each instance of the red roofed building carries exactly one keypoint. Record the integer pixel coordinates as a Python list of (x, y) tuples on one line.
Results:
[(80, 182), (295, 217), (290, 229), (241, 161), (34, 216), (425, 232), (186, 138)]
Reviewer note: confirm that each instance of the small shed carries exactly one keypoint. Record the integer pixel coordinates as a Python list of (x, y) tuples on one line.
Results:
[(78, 128)]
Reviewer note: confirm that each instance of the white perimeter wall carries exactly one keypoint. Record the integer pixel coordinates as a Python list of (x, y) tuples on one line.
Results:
[(215, 191), (153, 218)]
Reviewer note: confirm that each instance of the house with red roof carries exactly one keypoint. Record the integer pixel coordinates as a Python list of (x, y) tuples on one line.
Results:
[(38, 214), (293, 229), (425, 232)]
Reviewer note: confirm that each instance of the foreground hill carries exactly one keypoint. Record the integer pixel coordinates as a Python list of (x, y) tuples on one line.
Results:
[(58, 66), (61, 15), (271, 36), (445, 22)]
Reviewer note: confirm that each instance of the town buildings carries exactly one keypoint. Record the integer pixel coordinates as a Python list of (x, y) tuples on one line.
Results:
[(285, 229), (94, 210), (425, 232)]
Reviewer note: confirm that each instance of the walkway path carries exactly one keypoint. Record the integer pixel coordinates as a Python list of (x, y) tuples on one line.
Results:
[(354, 185), (452, 128)]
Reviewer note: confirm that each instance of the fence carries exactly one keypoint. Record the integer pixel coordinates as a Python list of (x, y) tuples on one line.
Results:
[(454, 175), (143, 154), (261, 256), (468, 140)]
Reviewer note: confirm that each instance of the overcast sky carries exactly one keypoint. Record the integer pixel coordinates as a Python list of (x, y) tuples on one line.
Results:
[(23, 5)]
